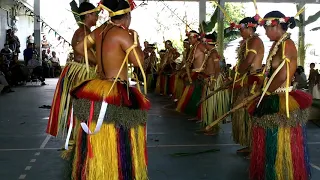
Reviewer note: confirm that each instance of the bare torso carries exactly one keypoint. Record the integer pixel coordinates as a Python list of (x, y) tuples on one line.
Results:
[(199, 55), (212, 66), (257, 62), (278, 58)]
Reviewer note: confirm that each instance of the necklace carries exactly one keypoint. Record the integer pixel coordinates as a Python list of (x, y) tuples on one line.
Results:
[(274, 51)]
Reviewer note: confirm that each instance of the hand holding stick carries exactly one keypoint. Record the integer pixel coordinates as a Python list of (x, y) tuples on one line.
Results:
[(242, 104)]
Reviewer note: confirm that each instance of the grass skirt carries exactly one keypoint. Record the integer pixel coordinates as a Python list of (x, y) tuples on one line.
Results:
[(216, 105), (72, 74), (279, 148), (118, 151), (162, 84), (179, 87), (241, 121), (190, 97)]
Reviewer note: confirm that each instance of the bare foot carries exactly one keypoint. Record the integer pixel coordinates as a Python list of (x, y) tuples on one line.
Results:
[(193, 119)]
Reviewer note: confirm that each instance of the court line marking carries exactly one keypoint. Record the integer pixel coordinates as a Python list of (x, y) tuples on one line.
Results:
[(28, 168), (315, 166), (44, 143), (33, 160), (22, 176)]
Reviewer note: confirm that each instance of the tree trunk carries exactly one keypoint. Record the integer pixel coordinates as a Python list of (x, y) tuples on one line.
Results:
[(301, 41), (221, 30)]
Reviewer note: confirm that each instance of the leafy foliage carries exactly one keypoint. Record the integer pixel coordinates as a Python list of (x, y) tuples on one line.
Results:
[(236, 13)]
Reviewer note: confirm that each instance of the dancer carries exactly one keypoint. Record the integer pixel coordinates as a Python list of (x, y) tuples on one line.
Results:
[(217, 104), (75, 71), (248, 76), (279, 149), (111, 143)]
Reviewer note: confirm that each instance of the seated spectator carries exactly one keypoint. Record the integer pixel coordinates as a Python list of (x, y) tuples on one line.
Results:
[(37, 69), (46, 64), (28, 53), (7, 53), (300, 78), (55, 64)]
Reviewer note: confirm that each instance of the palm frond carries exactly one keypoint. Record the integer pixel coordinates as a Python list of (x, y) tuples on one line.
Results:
[(208, 26)]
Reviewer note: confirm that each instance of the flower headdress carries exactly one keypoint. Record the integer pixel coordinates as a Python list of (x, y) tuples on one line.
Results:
[(111, 13), (273, 21)]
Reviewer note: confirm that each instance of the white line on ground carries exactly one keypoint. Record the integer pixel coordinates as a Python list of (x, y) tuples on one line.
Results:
[(33, 160), (22, 176), (28, 168), (149, 146), (315, 166), (44, 143), (37, 154), (29, 149)]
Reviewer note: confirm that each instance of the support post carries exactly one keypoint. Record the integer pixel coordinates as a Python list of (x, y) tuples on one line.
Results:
[(221, 29), (37, 27), (202, 11)]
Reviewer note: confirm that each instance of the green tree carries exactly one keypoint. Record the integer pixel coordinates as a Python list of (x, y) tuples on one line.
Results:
[(302, 23), (235, 12)]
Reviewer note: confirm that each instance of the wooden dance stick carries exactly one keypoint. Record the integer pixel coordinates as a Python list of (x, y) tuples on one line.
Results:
[(242, 104)]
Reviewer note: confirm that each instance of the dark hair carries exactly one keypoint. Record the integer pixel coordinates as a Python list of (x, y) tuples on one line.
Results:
[(312, 64), (162, 51), (186, 40), (85, 6), (168, 42), (193, 31), (291, 23), (248, 20), (116, 6), (212, 36)]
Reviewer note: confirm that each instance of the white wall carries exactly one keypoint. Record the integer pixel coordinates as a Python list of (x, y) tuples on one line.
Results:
[(25, 28)]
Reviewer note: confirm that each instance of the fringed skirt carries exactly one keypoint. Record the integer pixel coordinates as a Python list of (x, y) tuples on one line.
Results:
[(217, 105), (162, 84), (151, 81), (241, 120), (279, 148), (190, 98), (72, 74), (118, 151), (179, 83)]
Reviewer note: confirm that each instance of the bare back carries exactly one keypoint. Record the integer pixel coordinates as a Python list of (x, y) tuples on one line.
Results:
[(110, 51), (78, 36)]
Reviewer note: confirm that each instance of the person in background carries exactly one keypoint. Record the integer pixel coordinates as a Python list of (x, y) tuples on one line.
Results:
[(312, 77), (28, 53), (55, 64), (300, 78), (37, 69), (7, 53)]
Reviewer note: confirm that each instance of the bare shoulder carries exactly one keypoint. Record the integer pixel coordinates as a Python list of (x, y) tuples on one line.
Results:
[(290, 49), (201, 48), (256, 40)]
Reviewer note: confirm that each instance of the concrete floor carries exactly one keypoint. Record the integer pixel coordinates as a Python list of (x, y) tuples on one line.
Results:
[(26, 152)]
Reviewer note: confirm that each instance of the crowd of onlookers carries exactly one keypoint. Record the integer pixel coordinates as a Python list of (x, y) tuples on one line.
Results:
[(34, 67)]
